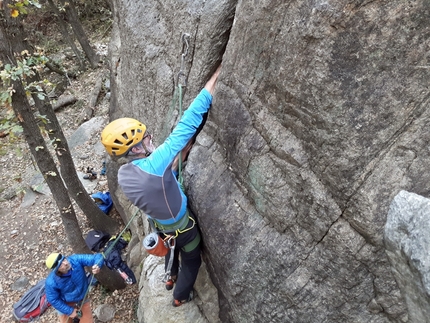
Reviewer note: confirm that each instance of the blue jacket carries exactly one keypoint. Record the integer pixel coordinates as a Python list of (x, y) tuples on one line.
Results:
[(149, 183), (63, 289)]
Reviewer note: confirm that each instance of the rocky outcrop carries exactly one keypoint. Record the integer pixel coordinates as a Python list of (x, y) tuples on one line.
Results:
[(319, 119), (407, 243)]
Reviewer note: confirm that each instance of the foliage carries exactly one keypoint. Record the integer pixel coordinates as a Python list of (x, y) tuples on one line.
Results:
[(9, 124), (27, 64), (26, 67), (20, 7)]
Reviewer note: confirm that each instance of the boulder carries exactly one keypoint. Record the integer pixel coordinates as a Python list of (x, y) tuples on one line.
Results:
[(319, 119), (105, 312)]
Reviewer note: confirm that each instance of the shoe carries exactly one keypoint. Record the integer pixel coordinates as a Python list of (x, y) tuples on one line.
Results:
[(177, 303), (170, 283), (103, 171)]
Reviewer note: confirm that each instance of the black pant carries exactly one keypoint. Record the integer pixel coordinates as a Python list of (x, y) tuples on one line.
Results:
[(190, 263)]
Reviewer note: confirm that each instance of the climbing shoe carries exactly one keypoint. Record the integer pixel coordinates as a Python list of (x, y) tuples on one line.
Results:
[(177, 303), (91, 174), (170, 283), (103, 171)]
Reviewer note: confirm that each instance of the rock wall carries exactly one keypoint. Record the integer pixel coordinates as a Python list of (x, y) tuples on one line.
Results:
[(319, 119), (407, 243)]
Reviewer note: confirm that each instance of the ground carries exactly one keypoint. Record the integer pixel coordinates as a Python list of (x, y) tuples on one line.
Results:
[(31, 232)]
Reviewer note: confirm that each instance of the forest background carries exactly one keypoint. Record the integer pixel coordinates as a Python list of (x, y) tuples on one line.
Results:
[(31, 224)]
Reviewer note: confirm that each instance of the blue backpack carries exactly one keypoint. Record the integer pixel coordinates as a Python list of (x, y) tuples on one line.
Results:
[(103, 200), (32, 304)]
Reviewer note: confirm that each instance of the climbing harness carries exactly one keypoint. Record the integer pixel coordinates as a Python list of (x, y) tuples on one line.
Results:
[(156, 245)]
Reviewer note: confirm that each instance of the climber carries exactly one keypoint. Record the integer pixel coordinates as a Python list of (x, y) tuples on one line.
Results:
[(66, 286), (149, 181)]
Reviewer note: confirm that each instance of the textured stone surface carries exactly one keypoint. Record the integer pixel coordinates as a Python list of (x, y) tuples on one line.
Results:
[(319, 119), (154, 306), (408, 244), (105, 312)]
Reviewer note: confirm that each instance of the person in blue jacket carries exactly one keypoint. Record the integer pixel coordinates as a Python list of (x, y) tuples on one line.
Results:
[(149, 180), (66, 285)]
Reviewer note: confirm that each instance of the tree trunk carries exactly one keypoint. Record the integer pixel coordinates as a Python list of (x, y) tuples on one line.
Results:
[(80, 34), (36, 142), (65, 33), (98, 219), (11, 32)]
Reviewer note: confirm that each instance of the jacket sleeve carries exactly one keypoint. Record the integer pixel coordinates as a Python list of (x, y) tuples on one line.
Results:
[(89, 260), (53, 295), (181, 134)]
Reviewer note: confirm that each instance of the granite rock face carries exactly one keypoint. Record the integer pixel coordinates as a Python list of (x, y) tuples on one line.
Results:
[(319, 119), (408, 244)]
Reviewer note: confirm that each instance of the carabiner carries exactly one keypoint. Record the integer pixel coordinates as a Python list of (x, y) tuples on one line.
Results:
[(185, 45), (169, 242)]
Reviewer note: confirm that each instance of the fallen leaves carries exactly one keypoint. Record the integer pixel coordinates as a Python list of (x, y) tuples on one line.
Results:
[(32, 233)]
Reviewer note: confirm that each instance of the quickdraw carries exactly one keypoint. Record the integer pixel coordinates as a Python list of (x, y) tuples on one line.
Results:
[(169, 243), (185, 46)]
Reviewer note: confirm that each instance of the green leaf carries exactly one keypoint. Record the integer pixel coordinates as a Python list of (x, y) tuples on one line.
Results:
[(16, 129)]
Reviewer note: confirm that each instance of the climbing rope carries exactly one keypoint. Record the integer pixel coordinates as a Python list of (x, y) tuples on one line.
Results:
[(181, 82), (105, 255), (177, 98)]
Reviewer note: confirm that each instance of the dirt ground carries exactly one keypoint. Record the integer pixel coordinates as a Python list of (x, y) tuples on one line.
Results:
[(31, 233)]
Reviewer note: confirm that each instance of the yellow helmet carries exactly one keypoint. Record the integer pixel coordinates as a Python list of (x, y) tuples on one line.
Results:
[(122, 134), (53, 260)]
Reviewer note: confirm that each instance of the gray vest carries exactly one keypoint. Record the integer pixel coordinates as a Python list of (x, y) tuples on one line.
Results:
[(158, 196)]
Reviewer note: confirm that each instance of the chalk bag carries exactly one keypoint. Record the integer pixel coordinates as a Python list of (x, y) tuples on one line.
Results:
[(155, 245)]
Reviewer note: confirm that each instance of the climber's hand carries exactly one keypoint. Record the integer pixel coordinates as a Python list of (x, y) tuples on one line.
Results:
[(96, 269)]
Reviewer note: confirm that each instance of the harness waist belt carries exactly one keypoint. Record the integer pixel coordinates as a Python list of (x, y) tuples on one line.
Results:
[(180, 225), (193, 244)]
